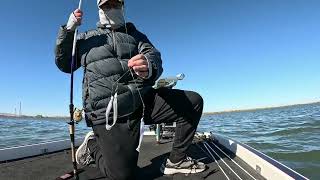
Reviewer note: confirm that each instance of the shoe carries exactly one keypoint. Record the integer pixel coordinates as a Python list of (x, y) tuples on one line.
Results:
[(83, 156), (185, 166)]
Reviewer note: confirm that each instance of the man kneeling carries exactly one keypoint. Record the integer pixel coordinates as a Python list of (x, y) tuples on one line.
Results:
[(120, 67)]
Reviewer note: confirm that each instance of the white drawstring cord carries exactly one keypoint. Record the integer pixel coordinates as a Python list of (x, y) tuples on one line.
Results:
[(143, 105), (141, 134), (112, 103)]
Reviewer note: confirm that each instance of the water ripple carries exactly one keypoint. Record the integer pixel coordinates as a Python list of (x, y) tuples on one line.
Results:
[(288, 134)]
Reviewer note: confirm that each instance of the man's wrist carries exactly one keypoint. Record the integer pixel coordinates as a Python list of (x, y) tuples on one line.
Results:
[(72, 23)]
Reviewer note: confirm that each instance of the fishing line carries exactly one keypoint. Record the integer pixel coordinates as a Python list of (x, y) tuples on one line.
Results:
[(143, 105), (116, 82), (113, 103), (130, 56)]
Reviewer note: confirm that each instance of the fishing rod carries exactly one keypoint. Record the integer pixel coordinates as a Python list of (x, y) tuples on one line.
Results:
[(71, 106)]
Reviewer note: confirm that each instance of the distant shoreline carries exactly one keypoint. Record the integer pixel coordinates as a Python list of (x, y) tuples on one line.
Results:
[(12, 116), (257, 109)]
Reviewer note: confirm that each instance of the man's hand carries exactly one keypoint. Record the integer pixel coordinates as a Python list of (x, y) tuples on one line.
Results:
[(74, 19), (78, 14), (140, 65)]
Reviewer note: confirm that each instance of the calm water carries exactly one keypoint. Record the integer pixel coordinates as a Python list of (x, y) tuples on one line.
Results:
[(290, 135)]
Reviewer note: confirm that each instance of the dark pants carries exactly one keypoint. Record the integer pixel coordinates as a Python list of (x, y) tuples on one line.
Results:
[(115, 152)]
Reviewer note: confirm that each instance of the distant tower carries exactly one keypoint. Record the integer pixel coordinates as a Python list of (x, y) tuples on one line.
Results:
[(20, 112), (15, 111)]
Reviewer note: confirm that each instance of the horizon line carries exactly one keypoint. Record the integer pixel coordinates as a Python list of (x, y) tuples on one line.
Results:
[(208, 112)]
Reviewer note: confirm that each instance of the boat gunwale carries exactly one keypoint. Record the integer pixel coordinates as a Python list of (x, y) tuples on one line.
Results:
[(278, 165)]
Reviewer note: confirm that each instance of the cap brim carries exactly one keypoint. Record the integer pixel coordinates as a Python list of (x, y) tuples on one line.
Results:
[(102, 2)]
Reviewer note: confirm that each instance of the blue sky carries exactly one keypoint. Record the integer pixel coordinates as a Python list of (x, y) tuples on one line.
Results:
[(237, 54)]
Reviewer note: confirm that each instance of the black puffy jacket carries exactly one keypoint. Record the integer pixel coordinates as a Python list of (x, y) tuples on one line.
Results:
[(104, 55)]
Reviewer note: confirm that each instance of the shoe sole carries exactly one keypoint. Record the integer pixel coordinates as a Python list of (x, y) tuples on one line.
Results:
[(85, 142), (169, 171)]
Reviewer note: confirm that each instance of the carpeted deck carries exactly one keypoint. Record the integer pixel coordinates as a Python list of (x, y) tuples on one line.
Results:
[(152, 155)]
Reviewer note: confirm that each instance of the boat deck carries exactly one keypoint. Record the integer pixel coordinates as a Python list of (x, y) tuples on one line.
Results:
[(221, 164)]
